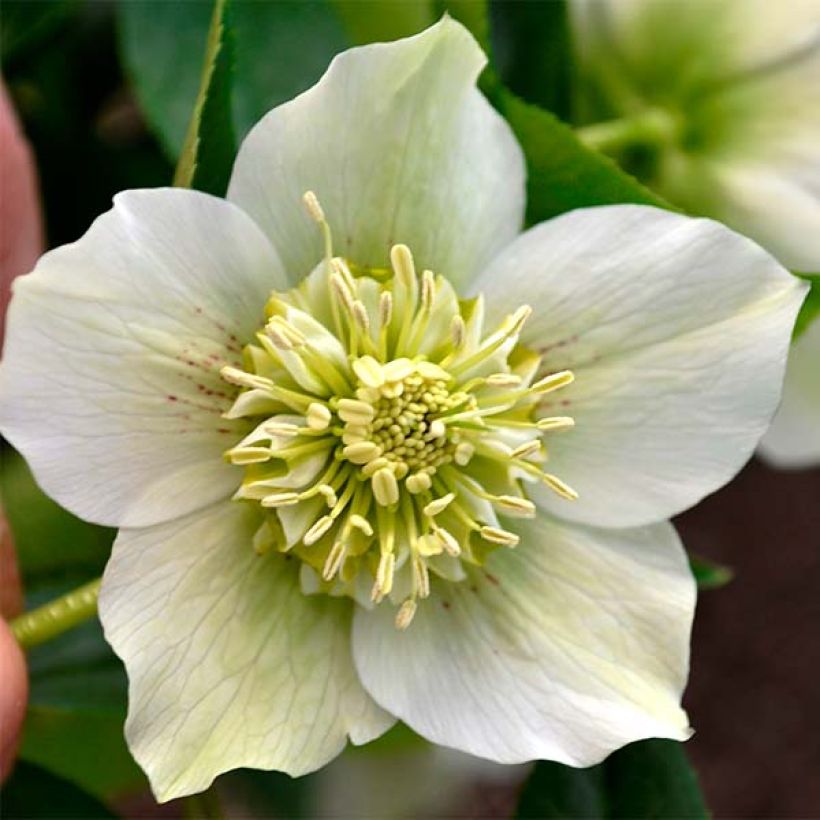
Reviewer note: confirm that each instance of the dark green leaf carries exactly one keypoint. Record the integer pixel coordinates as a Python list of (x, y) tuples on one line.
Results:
[(280, 49), (208, 152), (78, 691), (811, 306), (52, 545), (532, 51), (554, 790), (709, 574), (649, 779), (371, 21), (32, 792), (27, 25), (162, 45)]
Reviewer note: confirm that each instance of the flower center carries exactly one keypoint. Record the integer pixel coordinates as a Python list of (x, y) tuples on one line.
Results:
[(388, 431)]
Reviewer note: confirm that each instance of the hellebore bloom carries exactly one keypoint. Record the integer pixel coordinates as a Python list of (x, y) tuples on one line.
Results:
[(350, 492), (723, 97)]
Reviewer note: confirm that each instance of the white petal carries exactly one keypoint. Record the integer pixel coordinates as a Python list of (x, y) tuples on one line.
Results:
[(677, 330), (793, 440), (110, 382), (229, 664), (399, 146), (566, 648)]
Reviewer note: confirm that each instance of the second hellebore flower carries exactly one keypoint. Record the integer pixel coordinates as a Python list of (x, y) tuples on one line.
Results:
[(723, 98), (396, 461)]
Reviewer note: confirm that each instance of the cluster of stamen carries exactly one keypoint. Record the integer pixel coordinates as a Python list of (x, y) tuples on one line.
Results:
[(377, 436)]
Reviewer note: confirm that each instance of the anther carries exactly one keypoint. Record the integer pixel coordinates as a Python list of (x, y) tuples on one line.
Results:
[(342, 291), (355, 411), (559, 487), (360, 316), (553, 382), (334, 560), (503, 380), (402, 261), (235, 376), (280, 500), (439, 505), (418, 483), (319, 529), (385, 308), (313, 207), (361, 524), (516, 504), (496, 535), (554, 423), (428, 289), (385, 487), (406, 614), (463, 453), (318, 416), (362, 452), (529, 448), (369, 371), (447, 541), (458, 331)]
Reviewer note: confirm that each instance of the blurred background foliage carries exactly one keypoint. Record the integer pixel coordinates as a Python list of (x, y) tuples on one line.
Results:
[(106, 92)]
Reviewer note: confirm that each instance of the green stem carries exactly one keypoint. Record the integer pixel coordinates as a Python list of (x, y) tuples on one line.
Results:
[(57, 616), (651, 127)]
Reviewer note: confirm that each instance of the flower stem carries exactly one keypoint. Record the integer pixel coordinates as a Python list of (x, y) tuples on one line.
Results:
[(57, 616), (651, 127)]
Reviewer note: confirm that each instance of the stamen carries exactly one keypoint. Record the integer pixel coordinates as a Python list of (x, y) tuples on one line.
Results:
[(406, 613), (385, 487), (498, 536)]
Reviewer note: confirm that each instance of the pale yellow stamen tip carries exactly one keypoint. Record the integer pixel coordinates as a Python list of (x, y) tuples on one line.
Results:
[(334, 560), (402, 261), (418, 482), (385, 308), (361, 452), (369, 371), (361, 524), (514, 503), (503, 380), (559, 487), (464, 453), (553, 382), (318, 416), (439, 505), (318, 530), (313, 207), (355, 411), (385, 487), (499, 536), (280, 500), (447, 541), (555, 423), (406, 613)]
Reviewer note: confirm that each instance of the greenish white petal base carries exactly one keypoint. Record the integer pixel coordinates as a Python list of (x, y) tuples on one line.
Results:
[(229, 664)]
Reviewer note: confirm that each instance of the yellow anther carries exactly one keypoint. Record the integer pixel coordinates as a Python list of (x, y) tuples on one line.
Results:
[(318, 416), (553, 382), (280, 500), (249, 455), (360, 523), (398, 369), (428, 289), (515, 504), (554, 423), (328, 493), (529, 448), (503, 380), (463, 453), (385, 487), (355, 411), (235, 376), (342, 290), (369, 372), (334, 560), (448, 541), (458, 331), (313, 207), (559, 487), (385, 308), (319, 529), (495, 535), (402, 261), (361, 452), (278, 428), (429, 370), (439, 505), (406, 613), (418, 482), (360, 315)]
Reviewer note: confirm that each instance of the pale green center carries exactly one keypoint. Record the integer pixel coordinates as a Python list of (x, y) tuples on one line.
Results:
[(389, 431)]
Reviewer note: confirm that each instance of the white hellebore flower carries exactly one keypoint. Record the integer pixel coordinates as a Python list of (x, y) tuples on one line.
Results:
[(348, 492), (725, 99)]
